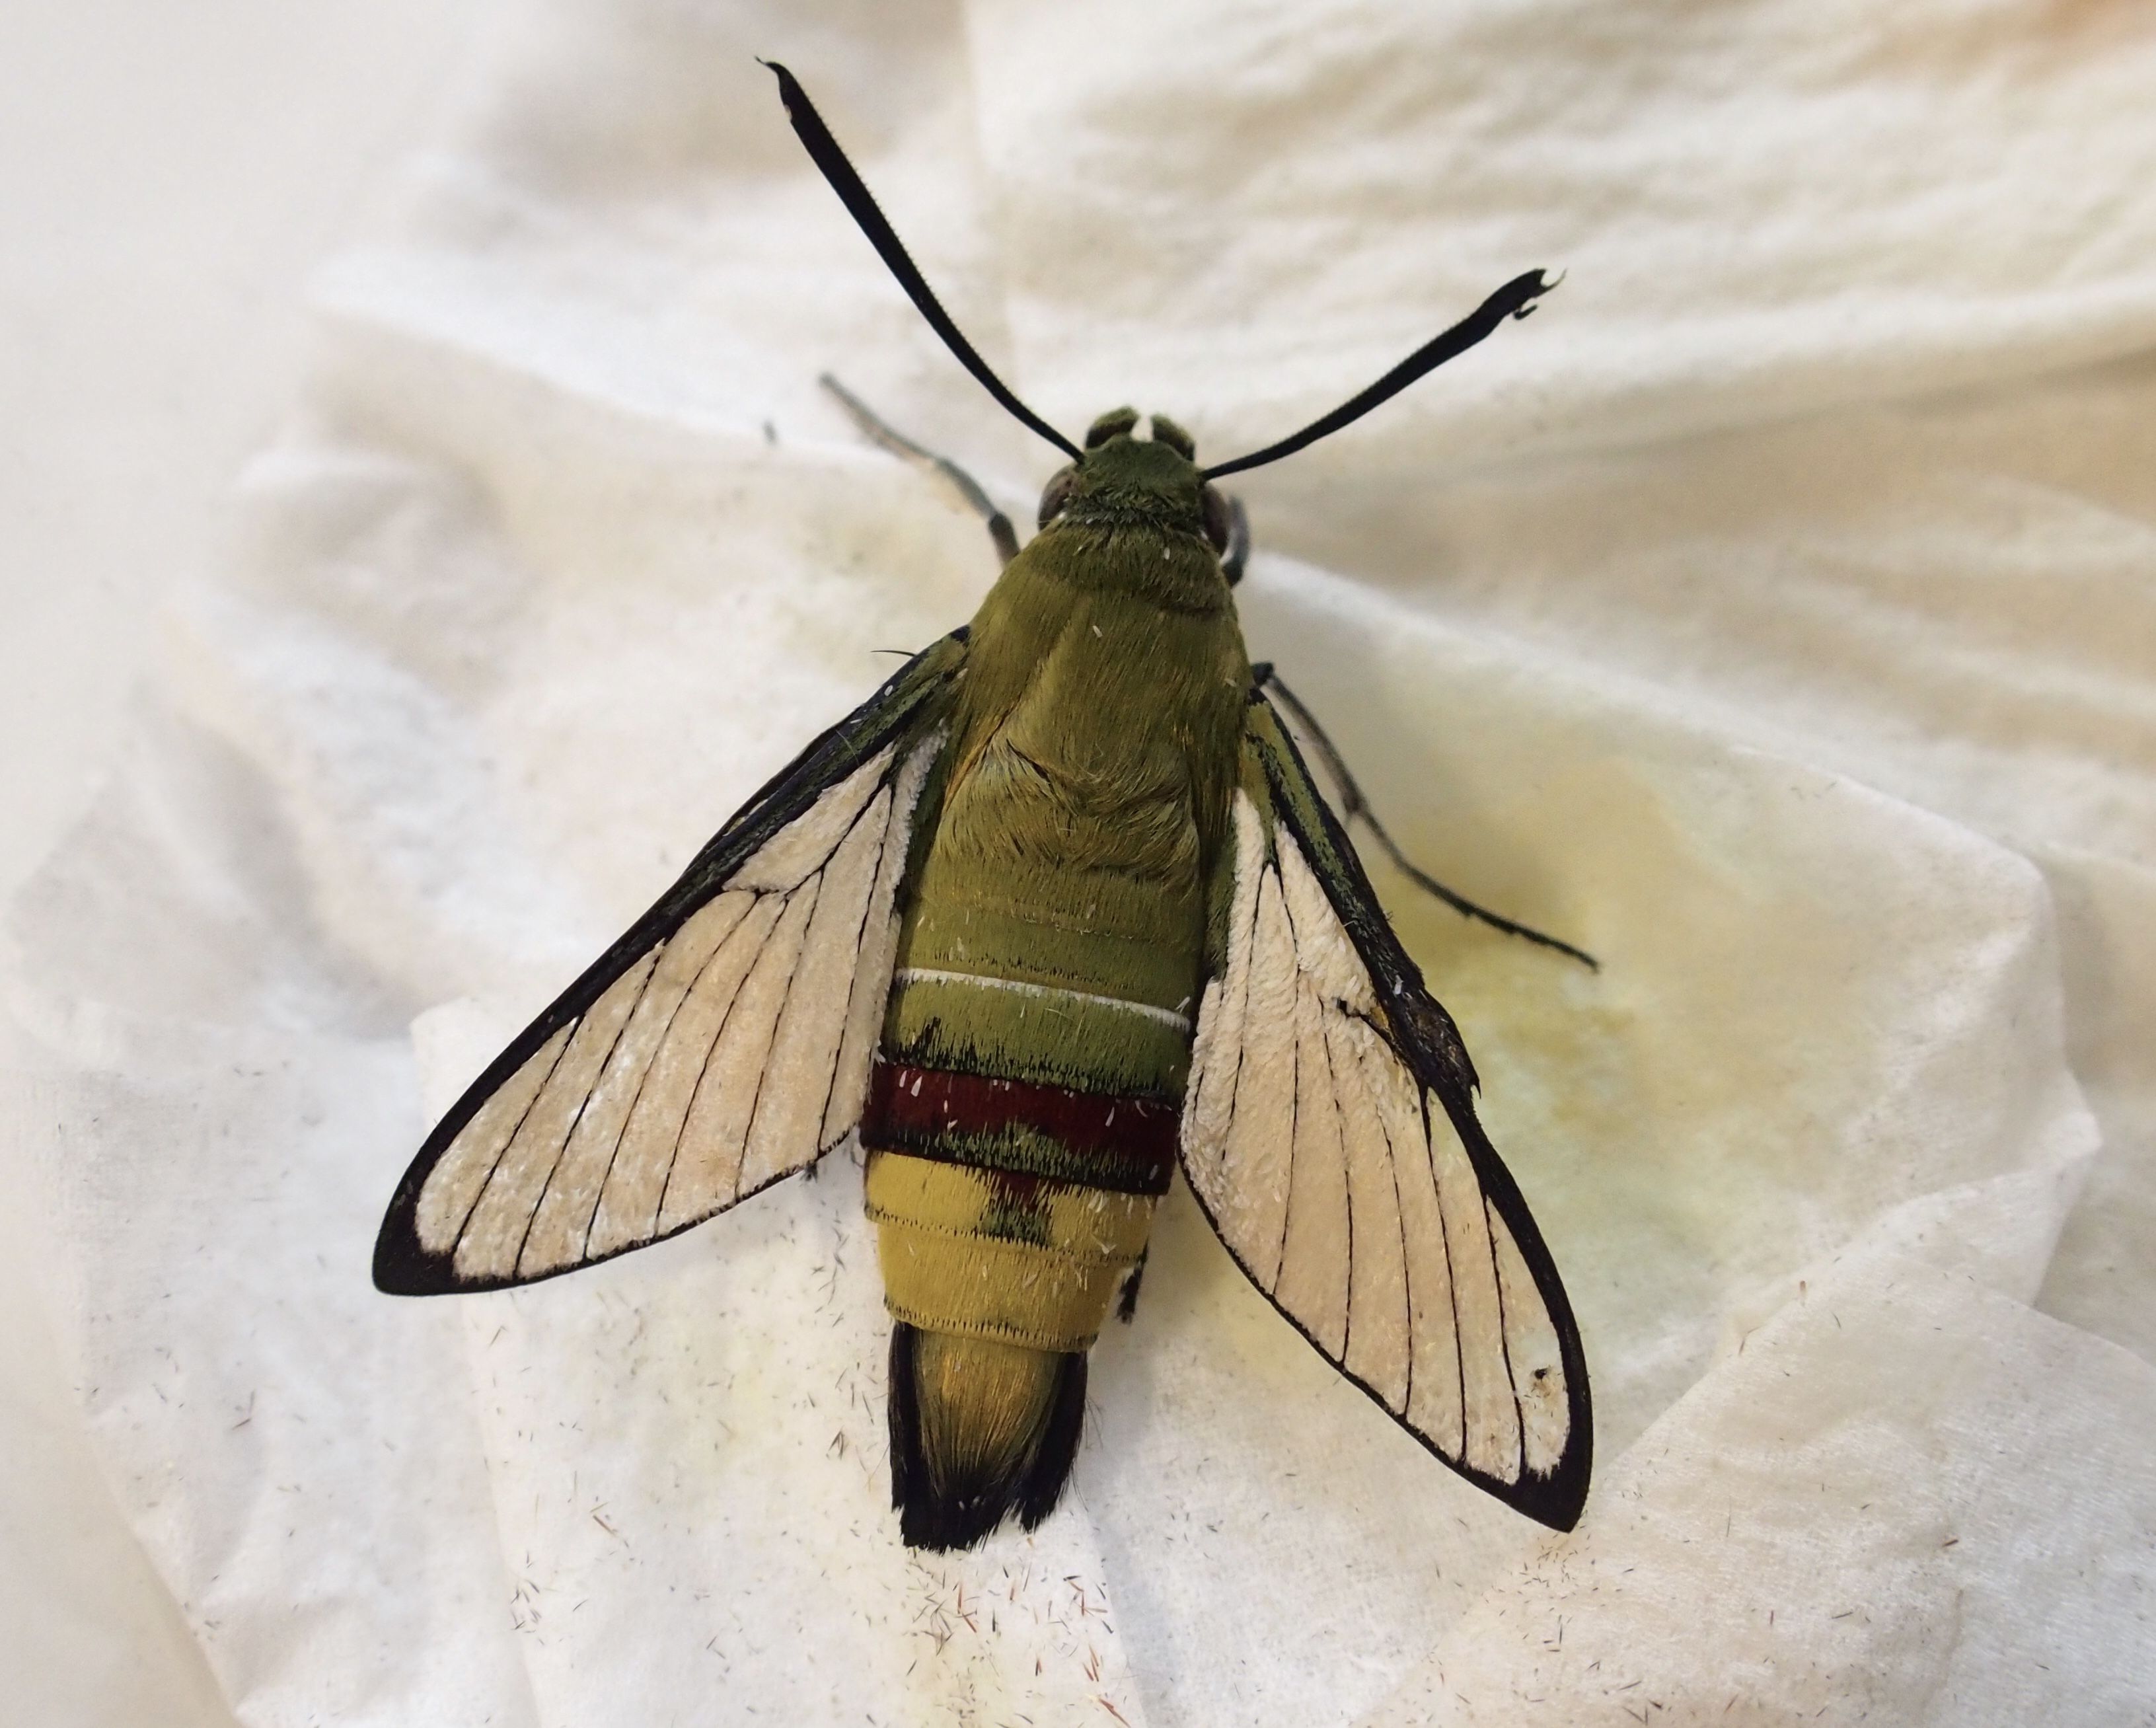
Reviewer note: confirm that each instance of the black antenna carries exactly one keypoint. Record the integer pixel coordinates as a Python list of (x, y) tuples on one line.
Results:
[(823, 150), (1515, 299)]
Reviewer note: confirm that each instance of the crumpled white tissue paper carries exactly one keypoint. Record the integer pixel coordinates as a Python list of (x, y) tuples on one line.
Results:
[(1771, 615)]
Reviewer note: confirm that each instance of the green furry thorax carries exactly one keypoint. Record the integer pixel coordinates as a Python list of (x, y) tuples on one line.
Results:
[(1106, 677), (1070, 836)]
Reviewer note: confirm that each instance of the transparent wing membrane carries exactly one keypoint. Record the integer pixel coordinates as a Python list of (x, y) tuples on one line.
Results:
[(1338, 1158), (724, 1043)]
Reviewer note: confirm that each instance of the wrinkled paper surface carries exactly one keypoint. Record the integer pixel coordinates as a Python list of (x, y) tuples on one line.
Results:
[(1771, 615)]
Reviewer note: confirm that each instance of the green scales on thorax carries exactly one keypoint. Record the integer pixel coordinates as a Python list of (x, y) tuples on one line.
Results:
[(1052, 955), (1090, 762)]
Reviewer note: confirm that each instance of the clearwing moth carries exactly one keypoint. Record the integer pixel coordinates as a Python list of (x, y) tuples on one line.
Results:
[(1058, 908)]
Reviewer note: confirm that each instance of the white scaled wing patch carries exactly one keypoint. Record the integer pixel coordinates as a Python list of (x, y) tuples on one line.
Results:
[(1338, 1181), (733, 1052)]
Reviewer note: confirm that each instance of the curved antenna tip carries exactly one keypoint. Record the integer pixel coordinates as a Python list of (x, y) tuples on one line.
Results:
[(1515, 299), (1548, 284)]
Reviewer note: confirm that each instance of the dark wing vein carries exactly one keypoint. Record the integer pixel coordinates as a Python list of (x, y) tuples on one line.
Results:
[(1504, 1337), (813, 885), (711, 1050), (1294, 1118), (711, 960), (584, 1103), (628, 1115), (860, 942), (494, 1167), (1407, 1261), (1340, 1122), (1235, 1076), (1451, 1272)]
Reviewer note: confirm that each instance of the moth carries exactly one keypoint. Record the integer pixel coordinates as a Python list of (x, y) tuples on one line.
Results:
[(1058, 909)]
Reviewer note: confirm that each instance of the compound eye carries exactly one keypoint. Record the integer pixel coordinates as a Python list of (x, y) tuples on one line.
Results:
[(1055, 495), (1218, 524)]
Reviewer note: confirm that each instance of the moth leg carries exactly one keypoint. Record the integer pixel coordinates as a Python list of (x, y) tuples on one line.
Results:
[(1238, 553), (878, 431), (1354, 806), (1126, 1304)]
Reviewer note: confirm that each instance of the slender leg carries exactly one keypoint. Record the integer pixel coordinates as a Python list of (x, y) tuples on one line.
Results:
[(1354, 806), (899, 444), (1126, 1304), (1238, 553)]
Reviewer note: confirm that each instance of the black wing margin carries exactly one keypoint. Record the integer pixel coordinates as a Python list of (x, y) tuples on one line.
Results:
[(1330, 1136), (721, 1044)]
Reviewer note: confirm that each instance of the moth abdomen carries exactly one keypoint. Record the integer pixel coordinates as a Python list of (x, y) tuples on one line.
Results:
[(998, 1281), (980, 1431), (1009, 1215)]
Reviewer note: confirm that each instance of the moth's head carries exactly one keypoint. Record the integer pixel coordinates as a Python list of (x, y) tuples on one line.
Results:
[(1125, 480)]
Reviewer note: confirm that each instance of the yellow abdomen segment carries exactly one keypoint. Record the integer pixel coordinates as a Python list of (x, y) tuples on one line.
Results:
[(986, 1254)]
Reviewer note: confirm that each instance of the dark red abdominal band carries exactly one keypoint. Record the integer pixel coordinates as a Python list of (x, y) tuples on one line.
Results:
[(1125, 1144)]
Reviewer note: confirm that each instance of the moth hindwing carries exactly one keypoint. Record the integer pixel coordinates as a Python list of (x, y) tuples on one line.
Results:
[(723, 1043)]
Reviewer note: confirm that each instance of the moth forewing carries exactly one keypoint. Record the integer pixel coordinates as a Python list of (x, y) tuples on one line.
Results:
[(630, 1109), (1364, 1201), (806, 844), (1322, 949), (793, 1090)]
